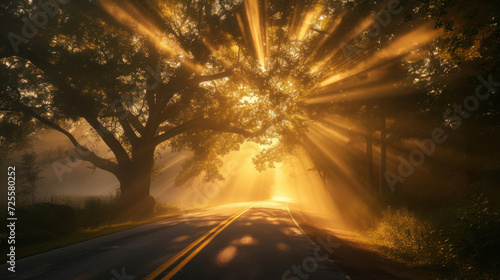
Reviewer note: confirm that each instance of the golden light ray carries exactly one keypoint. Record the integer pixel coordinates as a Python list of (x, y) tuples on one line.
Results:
[(384, 90), (127, 14), (254, 22), (345, 124), (307, 21), (322, 129), (224, 58), (399, 48), (297, 184), (331, 30), (363, 25), (348, 177), (314, 138), (345, 191), (242, 182), (377, 76)]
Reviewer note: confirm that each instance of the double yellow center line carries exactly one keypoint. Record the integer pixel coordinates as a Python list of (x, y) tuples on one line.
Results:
[(198, 245)]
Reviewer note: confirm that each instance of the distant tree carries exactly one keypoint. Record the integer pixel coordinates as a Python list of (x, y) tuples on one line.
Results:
[(29, 172)]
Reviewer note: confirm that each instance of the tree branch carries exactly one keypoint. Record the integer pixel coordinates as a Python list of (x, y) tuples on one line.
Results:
[(136, 123), (174, 109), (153, 81), (122, 119), (35, 56), (207, 124), (221, 75), (86, 154)]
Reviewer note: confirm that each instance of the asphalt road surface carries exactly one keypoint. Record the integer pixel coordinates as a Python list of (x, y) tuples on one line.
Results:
[(237, 241)]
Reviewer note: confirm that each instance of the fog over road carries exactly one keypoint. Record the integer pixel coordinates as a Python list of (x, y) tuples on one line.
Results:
[(236, 241)]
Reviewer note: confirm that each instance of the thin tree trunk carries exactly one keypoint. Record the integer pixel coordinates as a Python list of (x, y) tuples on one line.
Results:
[(32, 193), (369, 163), (322, 174), (383, 153)]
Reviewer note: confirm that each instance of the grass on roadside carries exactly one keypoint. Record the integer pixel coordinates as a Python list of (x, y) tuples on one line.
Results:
[(457, 242)]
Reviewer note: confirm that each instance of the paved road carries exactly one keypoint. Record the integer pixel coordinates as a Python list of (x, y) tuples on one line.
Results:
[(237, 241)]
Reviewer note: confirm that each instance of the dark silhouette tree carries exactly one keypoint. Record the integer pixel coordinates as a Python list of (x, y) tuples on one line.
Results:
[(29, 172), (142, 73)]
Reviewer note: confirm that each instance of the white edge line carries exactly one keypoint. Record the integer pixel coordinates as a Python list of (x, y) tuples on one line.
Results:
[(312, 242), (293, 219)]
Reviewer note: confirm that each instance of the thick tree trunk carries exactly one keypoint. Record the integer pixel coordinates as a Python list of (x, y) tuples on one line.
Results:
[(135, 183)]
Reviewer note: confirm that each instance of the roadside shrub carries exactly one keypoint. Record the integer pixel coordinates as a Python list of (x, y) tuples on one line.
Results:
[(97, 211), (165, 208), (43, 221), (479, 231), (411, 239), (93, 212)]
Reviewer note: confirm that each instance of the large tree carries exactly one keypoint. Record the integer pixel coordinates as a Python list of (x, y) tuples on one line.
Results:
[(138, 74)]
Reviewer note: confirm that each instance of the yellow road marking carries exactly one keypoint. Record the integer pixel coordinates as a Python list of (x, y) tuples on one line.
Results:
[(215, 231)]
